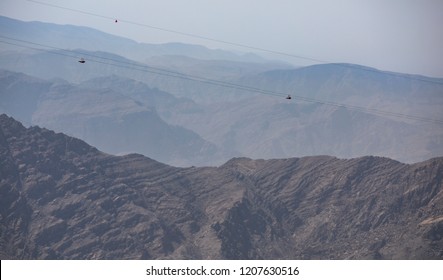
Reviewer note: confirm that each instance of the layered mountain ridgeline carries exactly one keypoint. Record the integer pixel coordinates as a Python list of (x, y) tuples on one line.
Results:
[(106, 108), (63, 199), (74, 37), (180, 131), (203, 107)]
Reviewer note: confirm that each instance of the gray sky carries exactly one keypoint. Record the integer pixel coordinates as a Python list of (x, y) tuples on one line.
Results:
[(396, 35)]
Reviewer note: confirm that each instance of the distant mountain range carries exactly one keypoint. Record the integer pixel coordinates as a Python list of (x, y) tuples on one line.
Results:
[(182, 132), (185, 109), (77, 37), (63, 199), (105, 116)]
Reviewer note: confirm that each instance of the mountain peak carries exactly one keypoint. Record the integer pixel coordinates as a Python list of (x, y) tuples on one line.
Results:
[(9, 126)]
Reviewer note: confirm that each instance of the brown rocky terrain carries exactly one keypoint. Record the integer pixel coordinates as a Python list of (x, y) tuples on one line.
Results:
[(63, 199)]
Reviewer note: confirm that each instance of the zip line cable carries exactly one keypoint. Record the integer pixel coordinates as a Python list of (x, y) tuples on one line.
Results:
[(417, 78), (178, 32), (138, 67), (173, 74), (168, 73)]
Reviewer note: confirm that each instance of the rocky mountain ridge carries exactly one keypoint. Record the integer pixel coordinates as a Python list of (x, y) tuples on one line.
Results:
[(63, 199)]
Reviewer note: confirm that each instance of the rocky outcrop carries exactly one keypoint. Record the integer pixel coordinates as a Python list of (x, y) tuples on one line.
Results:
[(63, 199)]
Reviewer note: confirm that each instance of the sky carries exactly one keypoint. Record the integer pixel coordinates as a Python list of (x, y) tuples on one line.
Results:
[(395, 35)]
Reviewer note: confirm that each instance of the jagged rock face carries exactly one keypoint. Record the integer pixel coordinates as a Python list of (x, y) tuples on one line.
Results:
[(62, 199)]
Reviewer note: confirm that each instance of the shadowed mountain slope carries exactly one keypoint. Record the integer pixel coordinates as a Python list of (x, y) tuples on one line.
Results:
[(63, 199)]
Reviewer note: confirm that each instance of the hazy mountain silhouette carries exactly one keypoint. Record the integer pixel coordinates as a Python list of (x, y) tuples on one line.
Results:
[(298, 128), (79, 37), (279, 128), (101, 113), (227, 120)]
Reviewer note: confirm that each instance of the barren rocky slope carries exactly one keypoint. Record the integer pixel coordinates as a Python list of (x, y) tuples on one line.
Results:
[(63, 199)]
